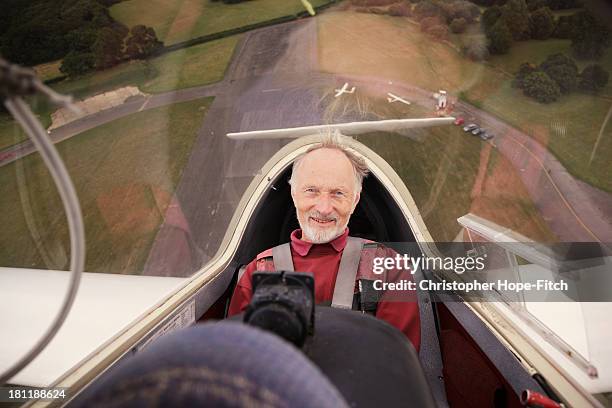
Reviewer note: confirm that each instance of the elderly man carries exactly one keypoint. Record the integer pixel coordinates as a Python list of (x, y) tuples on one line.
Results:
[(325, 187)]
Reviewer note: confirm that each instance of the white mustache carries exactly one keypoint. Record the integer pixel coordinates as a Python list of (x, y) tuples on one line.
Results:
[(319, 216)]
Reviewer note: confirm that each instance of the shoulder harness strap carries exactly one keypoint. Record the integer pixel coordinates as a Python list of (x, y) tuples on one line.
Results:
[(344, 297), (282, 257), (367, 298), (344, 289)]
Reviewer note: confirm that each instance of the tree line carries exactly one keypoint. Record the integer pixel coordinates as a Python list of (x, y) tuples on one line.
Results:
[(519, 20), (80, 32), (437, 18), (110, 47), (558, 75), (507, 21)]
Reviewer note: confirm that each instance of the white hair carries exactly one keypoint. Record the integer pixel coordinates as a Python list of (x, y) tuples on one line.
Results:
[(335, 140)]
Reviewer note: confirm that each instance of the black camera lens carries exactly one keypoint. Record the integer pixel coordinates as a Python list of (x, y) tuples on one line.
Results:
[(283, 303), (281, 320)]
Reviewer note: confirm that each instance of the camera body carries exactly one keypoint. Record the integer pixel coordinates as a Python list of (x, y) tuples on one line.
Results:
[(283, 303)]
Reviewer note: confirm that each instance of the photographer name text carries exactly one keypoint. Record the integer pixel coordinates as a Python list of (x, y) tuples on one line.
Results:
[(471, 286)]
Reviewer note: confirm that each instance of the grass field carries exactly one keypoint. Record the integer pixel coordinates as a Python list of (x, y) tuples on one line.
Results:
[(180, 20), (440, 172), (125, 173), (194, 66), (49, 70), (198, 65), (10, 133), (392, 48), (448, 172), (567, 12)]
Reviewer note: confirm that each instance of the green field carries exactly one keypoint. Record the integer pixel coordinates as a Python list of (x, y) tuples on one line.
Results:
[(180, 20), (534, 51), (198, 65), (391, 48), (125, 173), (397, 50), (49, 70), (567, 12), (194, 66), (439, 172), (10, 133)]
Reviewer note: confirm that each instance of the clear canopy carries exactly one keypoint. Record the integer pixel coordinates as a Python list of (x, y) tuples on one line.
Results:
[(159, 84)]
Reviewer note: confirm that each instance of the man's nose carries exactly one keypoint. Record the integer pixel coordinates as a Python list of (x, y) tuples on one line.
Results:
[(324, 204)]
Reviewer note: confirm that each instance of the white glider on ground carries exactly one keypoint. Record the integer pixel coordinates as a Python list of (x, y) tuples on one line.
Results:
[(344, 90), (394, 98)]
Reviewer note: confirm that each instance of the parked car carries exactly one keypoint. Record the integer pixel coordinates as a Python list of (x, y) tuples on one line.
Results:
[(477, 130), (470, 127), (486, 135), (459, 121)]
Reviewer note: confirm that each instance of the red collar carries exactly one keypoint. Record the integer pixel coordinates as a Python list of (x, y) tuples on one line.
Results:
[(303, 247)]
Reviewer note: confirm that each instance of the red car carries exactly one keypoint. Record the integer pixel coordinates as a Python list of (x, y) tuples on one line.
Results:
[(459, 121)]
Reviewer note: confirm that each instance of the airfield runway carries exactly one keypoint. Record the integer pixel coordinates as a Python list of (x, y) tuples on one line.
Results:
[(269, 84)]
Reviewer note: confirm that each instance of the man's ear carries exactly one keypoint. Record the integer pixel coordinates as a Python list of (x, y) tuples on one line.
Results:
[(357, 197), (293, 195)]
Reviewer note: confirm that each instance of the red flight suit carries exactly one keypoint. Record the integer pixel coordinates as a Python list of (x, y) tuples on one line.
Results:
[(323, 261)]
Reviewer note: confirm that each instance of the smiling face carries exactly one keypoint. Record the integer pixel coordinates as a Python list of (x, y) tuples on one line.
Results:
[(324, 194)]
